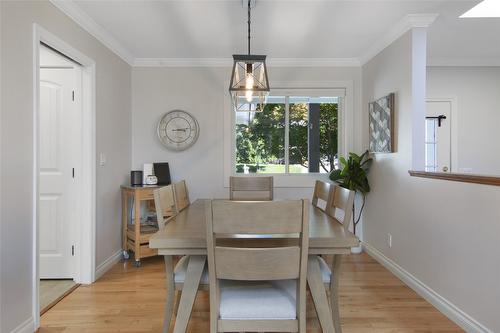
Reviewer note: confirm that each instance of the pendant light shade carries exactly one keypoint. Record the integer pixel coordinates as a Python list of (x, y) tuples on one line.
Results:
[(249, 82)]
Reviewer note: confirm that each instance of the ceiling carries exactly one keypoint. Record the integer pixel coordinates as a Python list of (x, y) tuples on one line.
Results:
[(341, 31)]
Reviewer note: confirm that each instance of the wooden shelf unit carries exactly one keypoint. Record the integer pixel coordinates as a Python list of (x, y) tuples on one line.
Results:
[(132, 238)]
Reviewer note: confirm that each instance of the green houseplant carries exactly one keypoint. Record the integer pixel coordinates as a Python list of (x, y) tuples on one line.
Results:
[(353, 175)]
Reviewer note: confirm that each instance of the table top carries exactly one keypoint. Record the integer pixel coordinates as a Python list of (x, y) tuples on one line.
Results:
[(187, 230)]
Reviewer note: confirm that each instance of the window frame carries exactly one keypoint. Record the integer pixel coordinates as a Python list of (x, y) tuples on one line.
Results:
[(341, 89)]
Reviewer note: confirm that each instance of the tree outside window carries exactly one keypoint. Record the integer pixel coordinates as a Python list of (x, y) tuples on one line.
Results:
[(312, 131)]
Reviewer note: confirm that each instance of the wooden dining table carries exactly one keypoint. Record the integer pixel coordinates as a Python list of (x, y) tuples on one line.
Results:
[(185, 234)]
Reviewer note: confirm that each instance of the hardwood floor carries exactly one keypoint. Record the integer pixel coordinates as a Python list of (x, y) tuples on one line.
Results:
[(129, 299)]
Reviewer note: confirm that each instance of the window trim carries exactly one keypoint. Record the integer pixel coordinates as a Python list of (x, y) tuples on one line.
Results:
[(323, 88)]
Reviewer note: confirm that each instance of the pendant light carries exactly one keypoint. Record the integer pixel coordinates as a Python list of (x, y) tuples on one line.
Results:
[(249, 82)]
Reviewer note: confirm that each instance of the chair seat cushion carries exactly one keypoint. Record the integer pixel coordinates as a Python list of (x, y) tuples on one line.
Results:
[(258, 300), (326, 272), (181, 269)]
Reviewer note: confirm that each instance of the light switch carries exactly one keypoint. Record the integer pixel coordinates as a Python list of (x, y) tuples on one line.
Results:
[(102, 159)]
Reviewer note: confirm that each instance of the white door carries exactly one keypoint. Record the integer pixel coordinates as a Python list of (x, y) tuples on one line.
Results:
[(60, 148), (438, 136)]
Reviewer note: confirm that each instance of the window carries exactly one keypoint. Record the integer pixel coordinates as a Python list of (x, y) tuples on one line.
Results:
[(292, 135)]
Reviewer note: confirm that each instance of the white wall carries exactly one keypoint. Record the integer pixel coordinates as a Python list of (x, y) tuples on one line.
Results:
[(476, 90), (445, 234), (16, 121), (200, 91)]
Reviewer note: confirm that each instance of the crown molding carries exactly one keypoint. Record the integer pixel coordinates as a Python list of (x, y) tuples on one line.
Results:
[(183, 62), (314, 62), (74, 12), (464, 62), (408, 22), (228, 62)]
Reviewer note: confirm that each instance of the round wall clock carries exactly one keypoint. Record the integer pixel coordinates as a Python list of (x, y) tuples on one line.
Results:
[(178, 130)]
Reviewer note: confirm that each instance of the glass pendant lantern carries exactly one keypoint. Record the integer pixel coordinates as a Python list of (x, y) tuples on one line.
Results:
[(249, 85)]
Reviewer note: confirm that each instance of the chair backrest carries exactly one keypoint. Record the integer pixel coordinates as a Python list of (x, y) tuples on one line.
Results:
[(324, 192), (251, 188), (181, 195), (282, 220), (164, 204), (343, 199)]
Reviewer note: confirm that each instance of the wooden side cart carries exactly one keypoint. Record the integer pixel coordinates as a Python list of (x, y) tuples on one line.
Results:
[(134, 236)]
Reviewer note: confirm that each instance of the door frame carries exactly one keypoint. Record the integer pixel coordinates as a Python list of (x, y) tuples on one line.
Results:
[(453, 128), (85, 238)]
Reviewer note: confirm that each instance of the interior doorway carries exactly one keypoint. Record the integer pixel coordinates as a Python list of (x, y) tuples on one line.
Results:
[(60, 153), (439, 138), (63, 169)]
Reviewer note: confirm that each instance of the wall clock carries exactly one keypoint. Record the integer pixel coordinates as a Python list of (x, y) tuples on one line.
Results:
[(178, 130)]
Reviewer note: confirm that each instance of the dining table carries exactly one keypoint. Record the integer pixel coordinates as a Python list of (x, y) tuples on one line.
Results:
[(185, 234)]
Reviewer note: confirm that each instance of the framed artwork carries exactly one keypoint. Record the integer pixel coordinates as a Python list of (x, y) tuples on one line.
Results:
[(382, 125)]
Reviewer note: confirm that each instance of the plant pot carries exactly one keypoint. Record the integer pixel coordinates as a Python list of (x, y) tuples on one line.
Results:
[(357, 249)]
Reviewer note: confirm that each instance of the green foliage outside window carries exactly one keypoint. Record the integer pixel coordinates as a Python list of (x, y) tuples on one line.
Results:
[(260, 144)]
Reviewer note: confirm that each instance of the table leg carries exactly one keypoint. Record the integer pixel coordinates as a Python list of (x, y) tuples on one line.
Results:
[(124, 220), (334, 292), (137, 228), (189, 290), (318, 293), (169, 304)]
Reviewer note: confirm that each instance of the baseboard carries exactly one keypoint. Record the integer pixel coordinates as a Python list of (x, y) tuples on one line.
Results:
[(26, 327), (107, 264), (451, 311)]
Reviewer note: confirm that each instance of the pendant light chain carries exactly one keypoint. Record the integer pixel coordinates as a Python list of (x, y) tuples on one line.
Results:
[(249, 22)]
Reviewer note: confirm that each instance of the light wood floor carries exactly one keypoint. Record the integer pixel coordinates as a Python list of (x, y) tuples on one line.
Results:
[(129, 299)]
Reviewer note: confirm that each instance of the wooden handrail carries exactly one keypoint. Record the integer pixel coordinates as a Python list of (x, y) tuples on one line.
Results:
[(458, 177)]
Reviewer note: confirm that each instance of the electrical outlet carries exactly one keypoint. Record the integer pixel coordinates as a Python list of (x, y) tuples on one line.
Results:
[(389, 240)]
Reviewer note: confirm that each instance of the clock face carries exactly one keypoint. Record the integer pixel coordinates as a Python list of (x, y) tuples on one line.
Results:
[(178, 130)]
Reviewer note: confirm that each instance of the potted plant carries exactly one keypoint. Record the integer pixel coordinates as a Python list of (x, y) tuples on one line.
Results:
[(353, 175)]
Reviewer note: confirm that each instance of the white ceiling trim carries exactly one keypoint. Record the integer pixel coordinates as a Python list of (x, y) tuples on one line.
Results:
[(464, 62), (228, 62), (71, 9), (410, 21), (183, 62), (314, 62)]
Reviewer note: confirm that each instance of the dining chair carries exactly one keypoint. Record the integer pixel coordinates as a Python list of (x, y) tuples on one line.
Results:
[(343, 200), (322, 191), (257, 287), (251, 188), (167, 209), (165, 205), (181, 195)]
